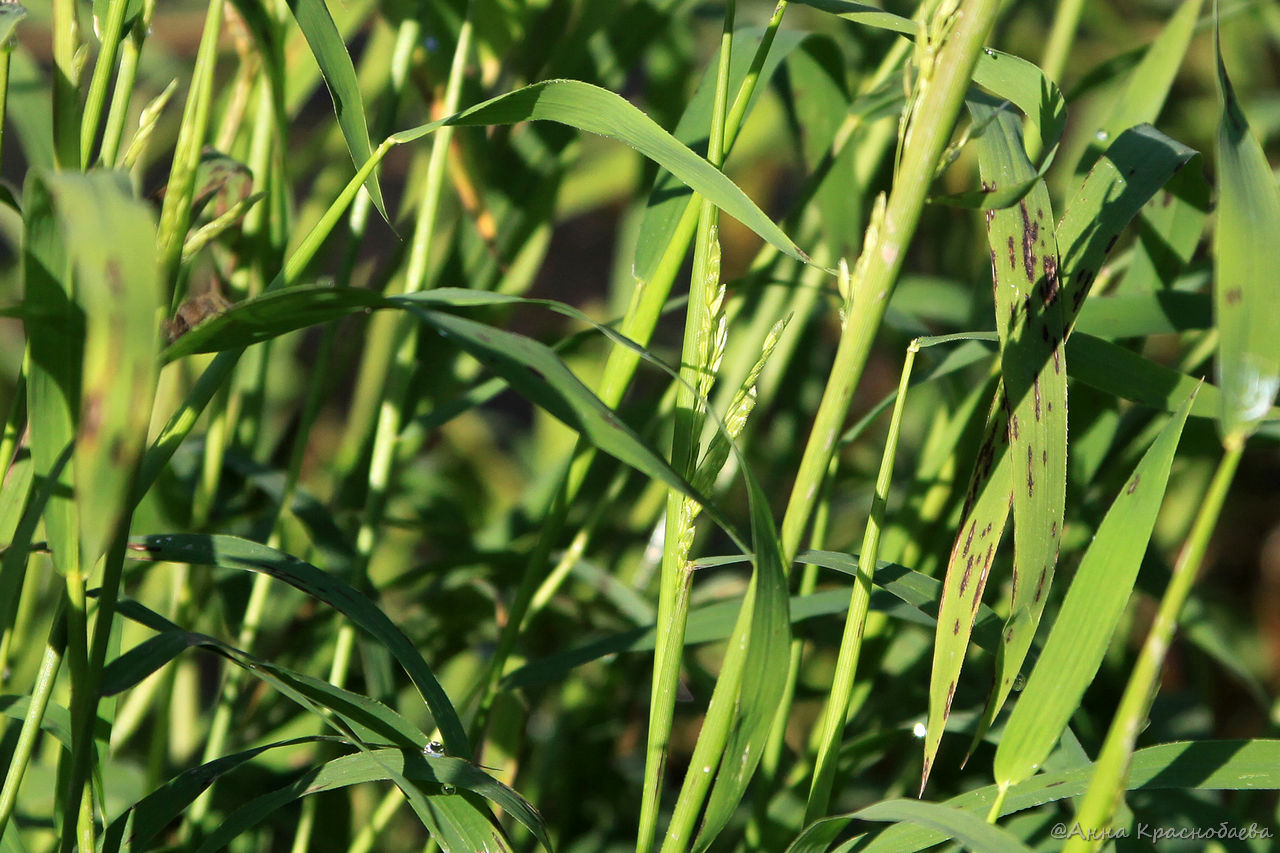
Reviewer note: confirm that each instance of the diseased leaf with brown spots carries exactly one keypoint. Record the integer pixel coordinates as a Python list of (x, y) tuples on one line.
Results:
[(1029, 320), (1133, 169), (986, 509)]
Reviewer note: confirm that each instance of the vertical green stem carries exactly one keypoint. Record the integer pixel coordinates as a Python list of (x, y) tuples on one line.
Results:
[(6, 52), (1106, 788), (175, 213), (837, 708), (882, 257), (108, 50), (638, 323), (391, 413), (39, 701), (677, 576), (66, 85)]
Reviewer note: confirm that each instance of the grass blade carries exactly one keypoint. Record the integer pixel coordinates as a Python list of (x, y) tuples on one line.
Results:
[(385, 764), (1246, 255), (595, 110), (1227, 765), (1089, 615), (950, 823), (1029, 319), (231, 552), (340, 76)]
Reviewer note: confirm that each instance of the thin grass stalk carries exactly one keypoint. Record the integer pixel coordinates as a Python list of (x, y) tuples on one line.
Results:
[(175, 212), (227, 421), (41, 691), (771, 760), (66, 85), (646, 305), (392, 414), (108, 52), (1106, 788), (77, 657), (6, 53), (697, 359), (887, 239), (836, 712), (372, 828), (122, 93)]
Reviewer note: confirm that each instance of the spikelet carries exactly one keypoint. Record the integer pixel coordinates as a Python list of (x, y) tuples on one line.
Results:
[(713, 332)]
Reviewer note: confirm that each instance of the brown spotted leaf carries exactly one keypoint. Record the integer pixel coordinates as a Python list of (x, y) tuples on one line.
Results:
[(986, 509), (1029, 320)]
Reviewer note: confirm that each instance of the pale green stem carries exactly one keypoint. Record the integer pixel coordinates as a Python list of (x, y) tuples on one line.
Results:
[(391, 414), (836, 712), (118, 114), (1106, 788), (677, 577), (175, 212), (40, 693), (386, 809), (112, 29), (66, 85), (646, 305), (882, 258)]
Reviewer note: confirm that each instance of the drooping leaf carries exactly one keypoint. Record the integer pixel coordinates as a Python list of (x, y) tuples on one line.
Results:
[(231, 552), (964, 827), (340, 76), (602, 112), (383, 764)]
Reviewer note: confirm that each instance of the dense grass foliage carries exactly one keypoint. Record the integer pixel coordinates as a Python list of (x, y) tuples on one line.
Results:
[(652, 425)]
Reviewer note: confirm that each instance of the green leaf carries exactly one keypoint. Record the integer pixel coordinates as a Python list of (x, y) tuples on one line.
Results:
[(1133, 169), (1137, 315), (1112, 368), (954, 824), (1089, 615), (1139, 162), (1030, 321), (767, 635), (369, 720), (1167, 233), (986, 510), (602, 112), (119, 288), (148, 817), (1246, 257), (55, 352), (231, 552), (386, 764), (340, 76), (1228, 765)]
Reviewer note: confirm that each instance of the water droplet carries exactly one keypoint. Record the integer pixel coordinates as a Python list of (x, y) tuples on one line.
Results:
[(1019, 682), (919, 730), (988, 51), (433, 748), (1102, 136), (448, 789)]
